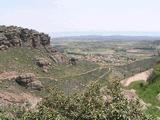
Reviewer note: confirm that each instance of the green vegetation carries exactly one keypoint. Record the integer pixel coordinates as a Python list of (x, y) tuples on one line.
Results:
[(78, 101), (19, 59), (88, 105), (68, 78), (22, 60), (149, 91), (71, 84)]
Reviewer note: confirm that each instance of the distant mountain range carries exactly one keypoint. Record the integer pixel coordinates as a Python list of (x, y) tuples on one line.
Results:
[(106, 38), (104, 33)]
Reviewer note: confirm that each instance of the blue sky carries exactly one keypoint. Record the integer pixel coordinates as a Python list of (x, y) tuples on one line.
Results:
[(82, 15)]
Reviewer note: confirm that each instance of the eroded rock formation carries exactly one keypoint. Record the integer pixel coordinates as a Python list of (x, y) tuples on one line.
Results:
[(13, 36), (29, 81), (17, 36), (43, 63)]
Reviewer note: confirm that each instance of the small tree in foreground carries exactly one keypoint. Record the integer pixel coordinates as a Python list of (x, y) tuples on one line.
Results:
[(89, 105)]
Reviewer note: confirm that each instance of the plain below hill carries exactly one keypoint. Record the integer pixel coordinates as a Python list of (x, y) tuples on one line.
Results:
[(107, 38)]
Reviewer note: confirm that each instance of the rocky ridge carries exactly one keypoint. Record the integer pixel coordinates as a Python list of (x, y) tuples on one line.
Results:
[(13, 36), (38, 51), (17, 36)]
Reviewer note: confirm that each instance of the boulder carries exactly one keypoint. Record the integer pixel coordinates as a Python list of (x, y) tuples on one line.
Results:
[(36, 85), (43, 63), (29, 81), (25, 79)]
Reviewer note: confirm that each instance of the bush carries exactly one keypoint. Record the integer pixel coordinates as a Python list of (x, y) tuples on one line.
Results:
[(89, 105)]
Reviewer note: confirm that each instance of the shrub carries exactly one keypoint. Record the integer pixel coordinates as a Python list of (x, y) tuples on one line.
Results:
[(89, 105)]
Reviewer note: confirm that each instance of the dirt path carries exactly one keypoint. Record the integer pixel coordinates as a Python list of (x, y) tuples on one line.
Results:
[(88, 71), (8, 75), (140, 76), (84, 73), (100, 77)]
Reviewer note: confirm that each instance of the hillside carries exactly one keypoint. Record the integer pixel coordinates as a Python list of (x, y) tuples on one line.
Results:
[(35, 76), (27, 55)]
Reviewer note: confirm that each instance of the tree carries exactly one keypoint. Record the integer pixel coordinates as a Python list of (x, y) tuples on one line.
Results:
[(72, 61), (89, 105)]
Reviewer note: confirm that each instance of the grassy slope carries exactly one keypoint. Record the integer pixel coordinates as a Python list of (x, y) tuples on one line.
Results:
[(148, 92), (20, 60), (77, 82), (65, 77)]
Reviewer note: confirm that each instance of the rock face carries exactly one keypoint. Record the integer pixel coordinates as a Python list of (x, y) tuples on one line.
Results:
[(29, 81), (13, 36), (17, 36)]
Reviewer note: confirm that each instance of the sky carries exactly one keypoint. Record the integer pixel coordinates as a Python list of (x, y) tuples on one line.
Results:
[(82, 15)]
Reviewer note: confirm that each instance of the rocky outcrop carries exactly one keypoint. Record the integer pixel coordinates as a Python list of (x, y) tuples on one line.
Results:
[(56, 56), (43, 63), (17, 36), (13, 36), (29, 81), (25, 79), (35, 85)]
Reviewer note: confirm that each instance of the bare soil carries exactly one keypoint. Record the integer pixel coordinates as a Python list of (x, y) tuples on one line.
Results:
[(137, 77)]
